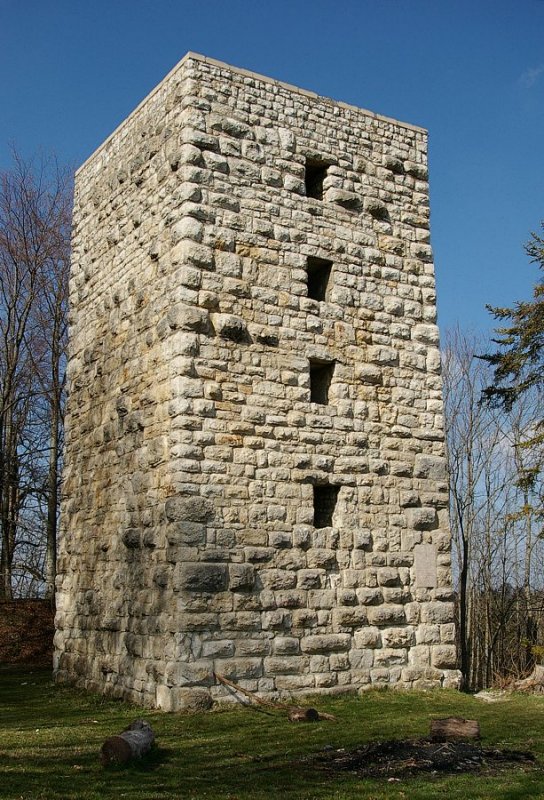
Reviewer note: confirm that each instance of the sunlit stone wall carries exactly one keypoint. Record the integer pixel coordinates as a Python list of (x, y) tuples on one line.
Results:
[(255, 477)]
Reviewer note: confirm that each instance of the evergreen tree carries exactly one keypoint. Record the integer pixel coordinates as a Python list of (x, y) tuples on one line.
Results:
[(519, 371)]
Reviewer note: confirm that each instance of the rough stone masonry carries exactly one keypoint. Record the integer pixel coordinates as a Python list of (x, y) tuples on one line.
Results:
[(255, 477)]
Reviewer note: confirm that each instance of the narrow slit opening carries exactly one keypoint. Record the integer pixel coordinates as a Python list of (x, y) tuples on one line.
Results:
[(319, 273), (321, 373), (315, 174), (325, 498)]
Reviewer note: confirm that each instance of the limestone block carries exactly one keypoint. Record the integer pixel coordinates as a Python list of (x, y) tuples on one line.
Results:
[(325, 643), (343, 198), (388, 576), (436, 613), (361, 659), (240, 668), (385, 615), (132, 538), (278, 578), (229, 125), (221, 648), (229, 326), (310, 578), (348, 617), (390, 657), (253, 647), (417, 170), (444, 656), (188, 509), (203, 577), (368, 638), (368, 373), (186, 534), (286, 645), (369, 597), (398, 637), (421, 518), (451, 678), (192, 253), (190, 700), (188, 318), (428, 466), (293, 665), (182, 673), (384, 356), (241, 577)]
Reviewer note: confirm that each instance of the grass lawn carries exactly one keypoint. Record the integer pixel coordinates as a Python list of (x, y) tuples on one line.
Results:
[(50, 740)]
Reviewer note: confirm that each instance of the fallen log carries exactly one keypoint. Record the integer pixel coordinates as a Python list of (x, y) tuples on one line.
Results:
[(294, 713), (134, 742), (453, 728)]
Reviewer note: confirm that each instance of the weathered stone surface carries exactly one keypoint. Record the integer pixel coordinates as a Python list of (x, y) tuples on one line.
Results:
[(203, 577), (237, 345), (325, 643), (241, 577), (190, 509), (175, 699), (230, 327), (421, 518)]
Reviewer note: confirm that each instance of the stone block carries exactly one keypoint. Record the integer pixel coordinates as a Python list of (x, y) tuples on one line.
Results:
[(421, 518), (325, 643), (291, 665), (349, 617), (398, 637), (432, 467), (386, 615), (444, 656), (229, 326), (286, 645), (236, 669), (202, 577), (241, 577), (437, 613), (188, 509)]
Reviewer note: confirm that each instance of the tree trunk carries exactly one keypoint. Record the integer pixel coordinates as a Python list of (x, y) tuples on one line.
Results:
[(52, 507), (451, 728), (134, 742)]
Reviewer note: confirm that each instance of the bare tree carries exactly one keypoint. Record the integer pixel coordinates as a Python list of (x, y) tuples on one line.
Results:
[(499, 594), (35, 202)]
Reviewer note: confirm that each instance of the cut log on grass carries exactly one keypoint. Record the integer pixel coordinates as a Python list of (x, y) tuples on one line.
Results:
[(133, 743), (453, 728)]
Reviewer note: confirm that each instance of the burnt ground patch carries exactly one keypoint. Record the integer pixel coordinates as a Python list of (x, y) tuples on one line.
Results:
[(411, 757)]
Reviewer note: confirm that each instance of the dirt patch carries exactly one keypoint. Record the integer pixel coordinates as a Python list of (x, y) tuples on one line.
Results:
[(26, 632), (400, 759)]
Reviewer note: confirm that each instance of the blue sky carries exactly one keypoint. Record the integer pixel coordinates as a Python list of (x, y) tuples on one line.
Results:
[(470, 71)]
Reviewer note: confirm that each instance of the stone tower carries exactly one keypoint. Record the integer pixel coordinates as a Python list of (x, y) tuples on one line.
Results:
[(254, 479)]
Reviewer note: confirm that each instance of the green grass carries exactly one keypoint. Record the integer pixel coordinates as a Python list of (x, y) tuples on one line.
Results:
[(50, 739)]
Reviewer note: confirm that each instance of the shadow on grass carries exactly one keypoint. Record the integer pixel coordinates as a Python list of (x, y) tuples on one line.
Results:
[(156, 758)]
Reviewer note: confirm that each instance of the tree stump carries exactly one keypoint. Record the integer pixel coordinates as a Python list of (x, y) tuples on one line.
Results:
[(453, 728), (534, 683), (134, 742)]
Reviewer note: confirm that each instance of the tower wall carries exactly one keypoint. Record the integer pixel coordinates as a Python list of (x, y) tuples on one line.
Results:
[(255, 480)]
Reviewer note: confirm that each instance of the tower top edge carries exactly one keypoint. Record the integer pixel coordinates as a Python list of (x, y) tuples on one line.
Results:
[(192, 56)]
